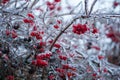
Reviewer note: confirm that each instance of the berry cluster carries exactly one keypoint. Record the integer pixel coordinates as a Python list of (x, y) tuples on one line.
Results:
[(80, 29)]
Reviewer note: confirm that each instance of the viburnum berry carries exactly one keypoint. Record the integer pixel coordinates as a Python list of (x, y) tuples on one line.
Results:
[(100, 57), (34, 28), (7, 32), (62, 57), (94, 74), (51, 77), (42, 32), (40, 63), (115, 4), (33, 62), (62, 75), (33, 33), (43, 56), (27, 21), (79, 29), (96, 47), (59, 21), (57, 0), (70, 74), (38, 37), (40, 56), (57, 45), (50, 41), (113, 36), (5, 1), (48, 55), (66, 66), (59, 8), (10, 77), (41, 49), (56, 26), (60, 70), (50, 5), (42, 43), (14, 34), (58, 51), (30, 15), (95, 30), (105, 70)]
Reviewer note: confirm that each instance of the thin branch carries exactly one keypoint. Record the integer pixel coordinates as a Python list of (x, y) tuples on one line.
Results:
[(92, 7), (75, 7), (33, 3), (86, 7)]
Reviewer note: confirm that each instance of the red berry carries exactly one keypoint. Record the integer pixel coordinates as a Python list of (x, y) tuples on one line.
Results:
[(43, 56), (14, 34), (59, 8), (10, 77), (38, 37), (5, 1), (96, 47), (30, 15), (41, 49), (33, 33), (105, 70), (63, 57), (7, 32), (115, 4), (40, 62), (50, 41), (27, 21), (59, 21), (48, 3), (51, 77), (34, 28), (94, 74), (57, 0), (100, 57), (70, 74), (60, 70), (80, 29), (57, 45), (56, 26), (51, 7), (33, 62), (95, 30), (42, 43)]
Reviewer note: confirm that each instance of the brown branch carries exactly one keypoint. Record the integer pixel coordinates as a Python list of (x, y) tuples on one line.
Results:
[(33, 3), (92, 7), (86, 7)]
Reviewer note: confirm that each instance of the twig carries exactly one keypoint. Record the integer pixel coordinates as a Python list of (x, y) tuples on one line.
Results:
[(33, 4), (75, 7), (86, 7), (92, 7)]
